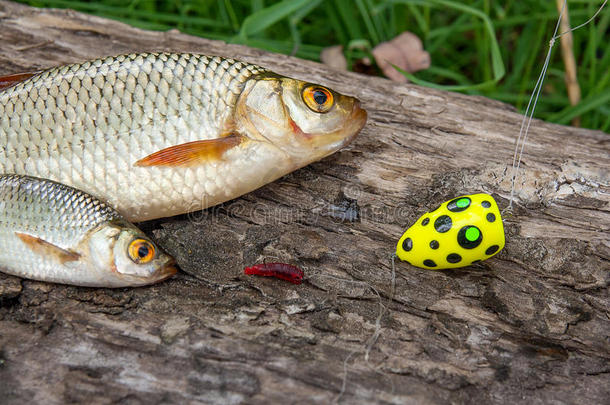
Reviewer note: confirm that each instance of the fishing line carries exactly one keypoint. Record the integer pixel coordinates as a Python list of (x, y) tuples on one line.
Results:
[(529, 113)]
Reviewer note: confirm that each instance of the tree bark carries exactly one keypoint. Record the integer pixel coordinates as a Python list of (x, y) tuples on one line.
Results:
[(530, 325)]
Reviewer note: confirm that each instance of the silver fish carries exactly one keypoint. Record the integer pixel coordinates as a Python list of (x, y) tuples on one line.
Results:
[(161, 134), (52, 232)]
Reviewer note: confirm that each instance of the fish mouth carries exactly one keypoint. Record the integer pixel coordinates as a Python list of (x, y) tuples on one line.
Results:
[(167, 271), (356, 122)]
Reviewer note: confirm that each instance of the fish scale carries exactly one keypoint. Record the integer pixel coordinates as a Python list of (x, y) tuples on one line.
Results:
[(94, 107), (58, 214)]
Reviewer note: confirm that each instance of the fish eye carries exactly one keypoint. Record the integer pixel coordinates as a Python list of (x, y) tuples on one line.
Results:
[(318, 98), (141, 251)]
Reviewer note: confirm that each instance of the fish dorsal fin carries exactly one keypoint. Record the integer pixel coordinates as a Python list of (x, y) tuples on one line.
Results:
[(47, 249), (192, 153), (11, 80)]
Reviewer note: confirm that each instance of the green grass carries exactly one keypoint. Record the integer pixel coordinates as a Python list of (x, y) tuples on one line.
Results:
[(485, 47)]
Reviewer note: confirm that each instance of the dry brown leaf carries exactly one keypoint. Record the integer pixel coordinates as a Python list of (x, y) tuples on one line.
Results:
[(405, 51), (333, 57)]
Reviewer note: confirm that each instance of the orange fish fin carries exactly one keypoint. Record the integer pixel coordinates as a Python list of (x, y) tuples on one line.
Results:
[(191, 153), (10, 80), (44, 248)]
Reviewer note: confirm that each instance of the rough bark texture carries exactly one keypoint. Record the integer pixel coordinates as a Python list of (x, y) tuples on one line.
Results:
[(530, 325)]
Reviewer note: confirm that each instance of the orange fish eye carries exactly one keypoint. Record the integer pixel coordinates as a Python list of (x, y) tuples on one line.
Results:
[(141, 251), (318, 98)]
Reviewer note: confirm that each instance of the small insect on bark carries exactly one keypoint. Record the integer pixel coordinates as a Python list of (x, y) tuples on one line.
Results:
[(282, 271)]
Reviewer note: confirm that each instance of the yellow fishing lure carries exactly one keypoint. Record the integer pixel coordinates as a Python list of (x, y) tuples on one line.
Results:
[(460, 232)]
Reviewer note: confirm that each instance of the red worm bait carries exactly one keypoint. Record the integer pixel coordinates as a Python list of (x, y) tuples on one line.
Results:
[(282, 271)]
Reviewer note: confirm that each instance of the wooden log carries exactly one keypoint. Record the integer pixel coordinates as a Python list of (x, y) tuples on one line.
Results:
[(528, 326)]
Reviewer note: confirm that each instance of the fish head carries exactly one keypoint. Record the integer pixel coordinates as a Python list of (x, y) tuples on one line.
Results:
[(125, 256), (306, 121)]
